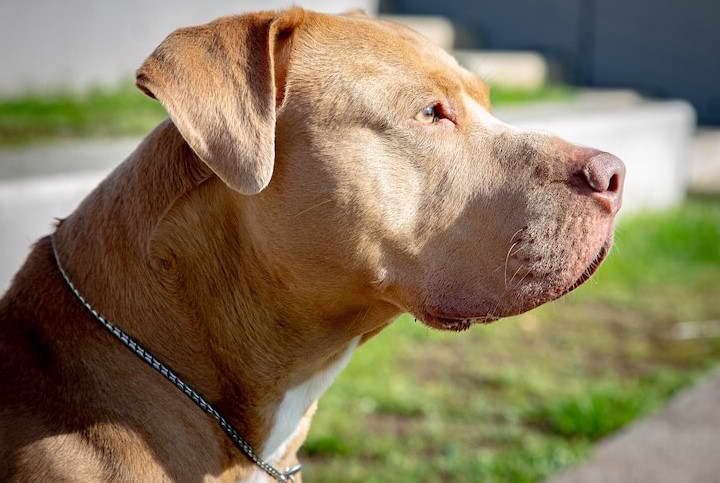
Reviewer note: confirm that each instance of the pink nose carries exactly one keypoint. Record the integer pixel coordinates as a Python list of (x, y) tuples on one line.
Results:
[(604, 174)]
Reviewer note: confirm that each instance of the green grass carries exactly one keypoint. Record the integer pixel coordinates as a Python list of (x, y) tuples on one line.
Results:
[(123, 111), (525, 397), (116, 111), (502, 96)]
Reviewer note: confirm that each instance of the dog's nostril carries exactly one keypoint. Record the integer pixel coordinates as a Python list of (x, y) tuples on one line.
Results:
[(604, 173), (614, 185)]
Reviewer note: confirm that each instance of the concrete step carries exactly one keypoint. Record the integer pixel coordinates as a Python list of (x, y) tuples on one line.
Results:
[(439, 30), (512, 69), (522, 70), (704, 176), (653, 138), (580, 101)]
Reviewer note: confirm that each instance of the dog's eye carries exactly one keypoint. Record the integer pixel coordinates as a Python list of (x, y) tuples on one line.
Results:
[(428, 115)]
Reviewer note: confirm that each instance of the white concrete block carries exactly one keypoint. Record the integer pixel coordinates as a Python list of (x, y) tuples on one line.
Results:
[(519, 70), (705, 166), (28, 208), (652, 138), (39, 183), (438, 29)]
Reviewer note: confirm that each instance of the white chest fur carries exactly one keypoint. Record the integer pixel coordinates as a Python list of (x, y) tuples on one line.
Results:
[(297, 400)]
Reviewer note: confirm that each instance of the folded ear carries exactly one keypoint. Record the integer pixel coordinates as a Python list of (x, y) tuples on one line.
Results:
[(222, 84)]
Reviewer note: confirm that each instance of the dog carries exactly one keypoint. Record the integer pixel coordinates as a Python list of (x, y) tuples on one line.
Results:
[(318, 175)]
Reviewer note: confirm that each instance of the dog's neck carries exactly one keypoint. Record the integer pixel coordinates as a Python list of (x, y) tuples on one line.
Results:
[(163, 249)]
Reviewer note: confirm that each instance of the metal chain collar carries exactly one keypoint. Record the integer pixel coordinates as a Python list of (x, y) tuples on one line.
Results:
[(152, 361)]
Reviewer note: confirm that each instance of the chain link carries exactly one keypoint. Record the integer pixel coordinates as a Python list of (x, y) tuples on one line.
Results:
[(167, 373)]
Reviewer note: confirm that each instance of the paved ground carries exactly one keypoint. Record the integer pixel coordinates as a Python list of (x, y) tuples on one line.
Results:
[(680, 444), (63, 157), (41, 182)]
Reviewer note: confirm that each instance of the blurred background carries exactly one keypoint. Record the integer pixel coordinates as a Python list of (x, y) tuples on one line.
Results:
[(530, 398)]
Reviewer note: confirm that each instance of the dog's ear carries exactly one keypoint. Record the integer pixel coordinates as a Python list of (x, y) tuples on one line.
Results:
[(222, 84)]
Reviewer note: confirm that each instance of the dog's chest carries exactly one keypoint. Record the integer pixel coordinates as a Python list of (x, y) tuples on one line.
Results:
[(296, 402)]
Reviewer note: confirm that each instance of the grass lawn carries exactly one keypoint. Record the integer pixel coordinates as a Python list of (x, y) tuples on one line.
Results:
[(525, 397), (503, 96), (118, 111), (125, 111)]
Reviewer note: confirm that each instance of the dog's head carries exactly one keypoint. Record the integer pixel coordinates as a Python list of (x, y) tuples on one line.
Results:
[(369, 167)]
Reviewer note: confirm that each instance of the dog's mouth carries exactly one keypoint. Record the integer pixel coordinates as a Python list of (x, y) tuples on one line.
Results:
[(463, 322), (457, 325), (591, 268)]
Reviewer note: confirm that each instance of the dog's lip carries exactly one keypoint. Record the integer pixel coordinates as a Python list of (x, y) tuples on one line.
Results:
[(455, 322), (592, 266)]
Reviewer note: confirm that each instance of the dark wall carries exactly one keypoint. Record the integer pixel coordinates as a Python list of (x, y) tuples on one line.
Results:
[(668, 48), (664, 48)]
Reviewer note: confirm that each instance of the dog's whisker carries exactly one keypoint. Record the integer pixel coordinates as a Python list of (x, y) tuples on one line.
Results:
[(497, 306), (515, 234), (367, 311), (507, 258), (510, 253), (515, 274), (523, 279)]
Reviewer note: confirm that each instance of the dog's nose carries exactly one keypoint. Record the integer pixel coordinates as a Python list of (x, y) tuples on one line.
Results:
[(604, 174)]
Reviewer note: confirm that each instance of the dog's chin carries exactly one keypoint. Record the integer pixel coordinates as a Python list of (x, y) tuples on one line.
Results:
[(590, 269), (459, 323)]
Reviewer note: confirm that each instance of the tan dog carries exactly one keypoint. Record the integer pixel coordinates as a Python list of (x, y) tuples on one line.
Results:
[(320, 175)]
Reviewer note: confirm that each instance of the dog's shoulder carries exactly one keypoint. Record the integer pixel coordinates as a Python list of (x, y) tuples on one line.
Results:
[(36, 441), (76, 407)]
